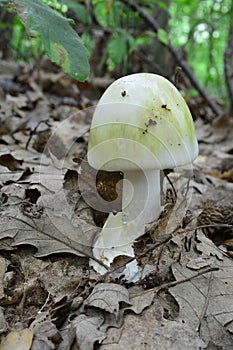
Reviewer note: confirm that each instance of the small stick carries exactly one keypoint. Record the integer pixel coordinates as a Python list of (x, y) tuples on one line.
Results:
[(177, 75), (183, 280), (171, 184), (205, 305)]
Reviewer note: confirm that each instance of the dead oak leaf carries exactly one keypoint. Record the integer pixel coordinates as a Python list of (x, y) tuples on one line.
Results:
[(206, 297), (45, 332), (48, 233), (88, 330), (108, 296), (220, 337), (206, 246), (150, 331), (139, 299)]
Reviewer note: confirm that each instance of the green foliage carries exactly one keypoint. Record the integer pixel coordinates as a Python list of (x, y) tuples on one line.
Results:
[(126, 36), (117, 49), (163, 36), (22, 46), (202, 35), (61, 43), (80, 11), (199, 29), (108, 13)]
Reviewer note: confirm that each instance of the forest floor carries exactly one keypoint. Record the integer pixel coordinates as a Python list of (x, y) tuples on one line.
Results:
[(49, 296)]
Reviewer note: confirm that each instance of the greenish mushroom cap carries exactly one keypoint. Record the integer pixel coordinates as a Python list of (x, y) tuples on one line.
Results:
[(141, 121)]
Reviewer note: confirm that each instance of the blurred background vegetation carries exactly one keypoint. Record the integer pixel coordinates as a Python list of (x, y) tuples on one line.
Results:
[(121, 42)]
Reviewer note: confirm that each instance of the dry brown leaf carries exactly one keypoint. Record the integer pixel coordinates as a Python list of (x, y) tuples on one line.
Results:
[(219, 336), (17, 340), (31, 169), (48, 233), (139, 299), (207, 297), (88, 330), (3, 323), (68, 334), (37, 119), (61, 277), (46, 335), (7, 160), (151, 331), (9, 69), (3, 266), (226, 175), (205, 246), (105, 308), (211, 133), (64, 141), (19, 101), (108, 296), (200, 262)]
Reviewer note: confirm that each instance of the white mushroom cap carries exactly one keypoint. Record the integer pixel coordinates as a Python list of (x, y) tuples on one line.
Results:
[(141, 121)]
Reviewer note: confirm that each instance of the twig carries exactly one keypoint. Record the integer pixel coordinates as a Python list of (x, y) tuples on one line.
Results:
[(210, 225), (183, 280), (229, 72), (171, 184), (153, 246), (205, 305), (176, 54), (156, 245), (33, 132), (177, 74), (45, 304)]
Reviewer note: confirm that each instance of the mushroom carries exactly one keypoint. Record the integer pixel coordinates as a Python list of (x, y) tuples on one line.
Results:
[(141, 125)]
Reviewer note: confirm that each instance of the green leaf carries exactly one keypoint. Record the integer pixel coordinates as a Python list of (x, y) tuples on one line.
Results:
[(61, 43), (4, 2), (162, 5), (146, 38), (163, 36), (79, 9), (117, 50)]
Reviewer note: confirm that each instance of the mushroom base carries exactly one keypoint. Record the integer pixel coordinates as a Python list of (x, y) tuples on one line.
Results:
[(141, 205)]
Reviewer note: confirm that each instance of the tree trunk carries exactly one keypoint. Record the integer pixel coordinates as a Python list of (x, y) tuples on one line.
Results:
[(6, 18)]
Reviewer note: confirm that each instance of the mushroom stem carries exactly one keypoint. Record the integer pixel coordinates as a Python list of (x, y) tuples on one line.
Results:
[(141, 200), (140, 205)]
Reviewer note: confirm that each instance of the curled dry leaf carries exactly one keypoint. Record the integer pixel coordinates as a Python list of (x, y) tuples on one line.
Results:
[(45, 333), (139, 299), (206, 246), (7, 160), (88, 331), (105, 308), (108, 296)]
